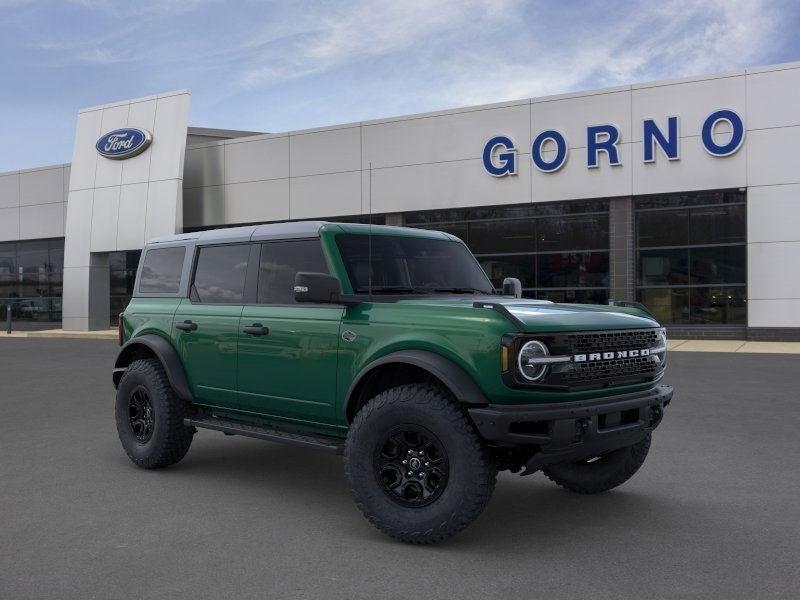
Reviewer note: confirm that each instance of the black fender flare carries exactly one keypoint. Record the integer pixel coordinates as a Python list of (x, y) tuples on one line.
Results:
[(165, 352), (445, 370)]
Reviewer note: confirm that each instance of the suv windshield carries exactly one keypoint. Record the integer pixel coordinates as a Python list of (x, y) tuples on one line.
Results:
[(411, 265)]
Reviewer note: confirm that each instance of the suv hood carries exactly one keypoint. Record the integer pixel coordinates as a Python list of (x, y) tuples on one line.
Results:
[(538, 316)]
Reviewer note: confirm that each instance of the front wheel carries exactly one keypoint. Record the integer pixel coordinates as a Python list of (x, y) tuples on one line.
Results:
[(416, 467), (600, 473)]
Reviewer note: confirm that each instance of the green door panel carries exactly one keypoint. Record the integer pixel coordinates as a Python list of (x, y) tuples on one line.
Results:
[(209, 352), (290, 373)]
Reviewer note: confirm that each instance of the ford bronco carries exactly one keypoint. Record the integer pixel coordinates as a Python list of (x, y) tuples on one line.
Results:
[(390, 346)]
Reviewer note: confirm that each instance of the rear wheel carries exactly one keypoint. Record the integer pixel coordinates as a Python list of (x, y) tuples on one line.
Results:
[(416, 467), (150, 416), (600, 473)]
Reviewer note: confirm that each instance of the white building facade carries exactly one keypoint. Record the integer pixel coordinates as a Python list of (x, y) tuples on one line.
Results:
[(683, 195)]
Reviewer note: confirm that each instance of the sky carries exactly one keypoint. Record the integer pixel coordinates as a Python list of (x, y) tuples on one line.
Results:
[(279, 66)]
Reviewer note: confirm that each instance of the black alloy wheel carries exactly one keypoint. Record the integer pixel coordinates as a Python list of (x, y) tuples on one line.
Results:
[(411, 465), (140, 414)]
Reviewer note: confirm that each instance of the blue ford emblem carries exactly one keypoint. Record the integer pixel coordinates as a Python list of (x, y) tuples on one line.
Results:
[(123, 143)]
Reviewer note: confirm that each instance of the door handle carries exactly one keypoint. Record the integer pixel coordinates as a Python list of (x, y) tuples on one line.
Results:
[(256, 329), (186, 326)]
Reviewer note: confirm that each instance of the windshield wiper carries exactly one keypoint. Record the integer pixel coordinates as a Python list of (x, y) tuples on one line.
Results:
[(389, 289)]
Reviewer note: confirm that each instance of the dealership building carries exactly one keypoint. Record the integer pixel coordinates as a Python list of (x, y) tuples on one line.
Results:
[(683, 195)]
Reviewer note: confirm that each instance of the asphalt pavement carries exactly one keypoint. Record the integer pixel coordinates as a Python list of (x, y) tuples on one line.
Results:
[(713, 513)]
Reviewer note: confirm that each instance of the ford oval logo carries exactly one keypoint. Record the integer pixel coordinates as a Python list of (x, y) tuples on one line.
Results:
[(123, 143)]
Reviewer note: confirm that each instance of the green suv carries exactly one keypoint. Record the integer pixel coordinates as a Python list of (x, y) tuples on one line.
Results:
[(390, 346)]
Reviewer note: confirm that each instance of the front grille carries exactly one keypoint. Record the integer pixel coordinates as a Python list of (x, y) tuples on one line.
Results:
[(606, 341), (601, 373), (609, 371)]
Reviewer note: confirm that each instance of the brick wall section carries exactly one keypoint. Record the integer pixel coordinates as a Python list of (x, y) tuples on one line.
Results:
[(622, 255)]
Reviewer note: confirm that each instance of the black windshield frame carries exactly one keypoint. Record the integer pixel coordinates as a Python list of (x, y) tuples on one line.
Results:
[(410, 265)]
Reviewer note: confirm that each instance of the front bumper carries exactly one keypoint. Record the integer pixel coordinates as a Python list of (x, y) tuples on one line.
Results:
[(563, 432)]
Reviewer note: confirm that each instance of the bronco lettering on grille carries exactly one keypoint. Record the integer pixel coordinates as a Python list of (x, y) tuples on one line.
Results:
[(594, 356)]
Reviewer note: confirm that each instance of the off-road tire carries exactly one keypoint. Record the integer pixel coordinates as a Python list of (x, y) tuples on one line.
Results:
[(605, 473), (170, 438), (472, 472)]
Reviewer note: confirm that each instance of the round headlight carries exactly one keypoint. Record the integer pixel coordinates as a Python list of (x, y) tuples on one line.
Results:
[(526, 360)]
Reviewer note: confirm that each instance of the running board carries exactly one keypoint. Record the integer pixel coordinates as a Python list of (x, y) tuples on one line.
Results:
[(231, 427)]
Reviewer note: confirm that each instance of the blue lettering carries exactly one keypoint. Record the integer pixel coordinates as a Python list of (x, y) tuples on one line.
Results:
[(737, 126), (652, 135), (507, 158), (602, 138), (561, 151)]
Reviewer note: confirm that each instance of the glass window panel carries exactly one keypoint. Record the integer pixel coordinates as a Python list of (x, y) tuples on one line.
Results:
[(662, 228), (566, 208), (457, 229), (33, 257), (408, 262), (718, 306), (573, 296), (220, 274), (690, 199), (9, 286), (56, 252), (495, 237), (719, 264), (280, 262), (718, 224), (8, 259), (668, 305), (500, 267), (664, 267), (573, 233), (161, 272), (573, 269)]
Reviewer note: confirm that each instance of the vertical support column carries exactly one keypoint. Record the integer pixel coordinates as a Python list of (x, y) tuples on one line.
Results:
[(622, 252), (87, 295)]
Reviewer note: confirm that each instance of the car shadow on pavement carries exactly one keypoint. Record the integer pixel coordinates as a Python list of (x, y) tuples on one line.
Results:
[(529, 511)]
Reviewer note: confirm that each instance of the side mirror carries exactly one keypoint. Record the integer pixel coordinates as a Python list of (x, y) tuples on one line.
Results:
[(512, 287), (320, 288)]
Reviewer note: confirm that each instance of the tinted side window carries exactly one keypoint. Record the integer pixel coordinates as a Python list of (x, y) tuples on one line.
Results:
[(161, 271), (220, 274), (280, 262)]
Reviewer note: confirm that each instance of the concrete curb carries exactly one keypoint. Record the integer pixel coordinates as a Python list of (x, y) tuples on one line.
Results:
[(110, 334), (734, 346)]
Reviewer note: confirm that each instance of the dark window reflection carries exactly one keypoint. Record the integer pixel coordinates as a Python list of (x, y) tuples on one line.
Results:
[(220, 274), (719, 264), (280, 263), (565, 233), (31, 273), (161, 271), (663, 228), (669, 305), (702, 244), (499, 267), (664, 267), (509, 241), (493, 237), (718, 225), (718, 306), (573, 269)]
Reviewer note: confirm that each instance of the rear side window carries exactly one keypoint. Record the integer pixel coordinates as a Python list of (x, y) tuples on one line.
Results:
[(220, 274), (161, 270), (280, 262)]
